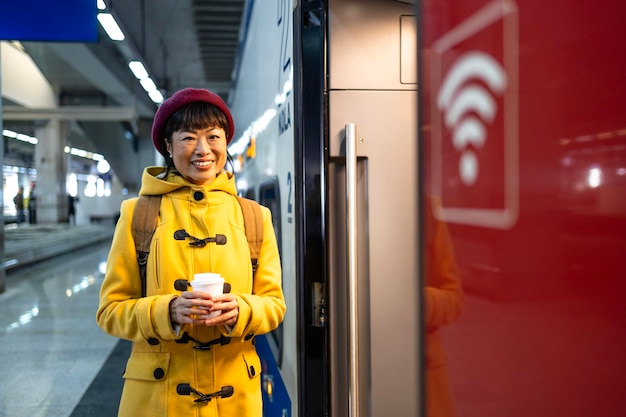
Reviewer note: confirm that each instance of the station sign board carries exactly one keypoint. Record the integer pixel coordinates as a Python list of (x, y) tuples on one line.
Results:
[(49, 21), (474, 118)]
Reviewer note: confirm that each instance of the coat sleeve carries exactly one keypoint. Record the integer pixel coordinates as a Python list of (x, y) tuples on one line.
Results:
[(122, 311), (264, 309), (443, 292)]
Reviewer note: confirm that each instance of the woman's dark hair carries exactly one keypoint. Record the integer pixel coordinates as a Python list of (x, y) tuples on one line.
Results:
[(194, 116)]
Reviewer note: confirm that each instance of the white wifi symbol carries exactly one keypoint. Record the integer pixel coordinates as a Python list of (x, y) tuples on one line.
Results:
[(460, 100)]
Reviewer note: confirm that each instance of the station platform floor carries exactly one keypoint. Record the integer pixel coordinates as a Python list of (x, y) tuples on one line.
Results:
[(54, 359), (26, 244)]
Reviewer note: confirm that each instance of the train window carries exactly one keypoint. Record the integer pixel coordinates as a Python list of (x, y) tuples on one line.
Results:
[(269, 196), (249, 193)]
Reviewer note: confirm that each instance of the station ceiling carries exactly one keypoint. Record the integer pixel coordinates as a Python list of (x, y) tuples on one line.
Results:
[(183, 43)]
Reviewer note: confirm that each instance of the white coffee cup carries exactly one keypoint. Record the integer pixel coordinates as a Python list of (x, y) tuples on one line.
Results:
[(210, 283)]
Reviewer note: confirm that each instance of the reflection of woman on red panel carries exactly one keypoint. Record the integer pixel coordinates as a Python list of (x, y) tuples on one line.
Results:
[(444, 300)]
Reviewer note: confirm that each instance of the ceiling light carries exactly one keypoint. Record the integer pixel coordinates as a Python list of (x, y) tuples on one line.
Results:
[(26, 138), (103, 166), (156, 96), (101, 5), (20, 136), (138, 69), (111, 27), (148, 84), (9, 133), (135, 64)]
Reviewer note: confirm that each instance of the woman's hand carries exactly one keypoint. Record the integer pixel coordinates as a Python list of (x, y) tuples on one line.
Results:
[(194, 307), (228, 305)]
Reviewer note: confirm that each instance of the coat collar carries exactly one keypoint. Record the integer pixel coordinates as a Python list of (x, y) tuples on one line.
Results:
[(157, 181)]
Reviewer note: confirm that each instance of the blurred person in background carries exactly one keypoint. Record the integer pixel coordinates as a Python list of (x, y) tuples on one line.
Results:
[(71, 208), (19, 204), (32, 205)]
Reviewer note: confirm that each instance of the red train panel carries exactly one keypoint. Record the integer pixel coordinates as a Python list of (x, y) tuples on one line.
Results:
[(524, 129)]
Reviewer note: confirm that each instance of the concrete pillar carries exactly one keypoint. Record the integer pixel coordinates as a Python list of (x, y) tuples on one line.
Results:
[(2, 271), (51, 165)]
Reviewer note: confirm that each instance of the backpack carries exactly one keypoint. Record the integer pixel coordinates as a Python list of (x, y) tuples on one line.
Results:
[(145, 219)]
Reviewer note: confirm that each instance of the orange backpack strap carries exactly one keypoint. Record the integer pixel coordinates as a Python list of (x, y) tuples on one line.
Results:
[(253, 223), (144, 223)]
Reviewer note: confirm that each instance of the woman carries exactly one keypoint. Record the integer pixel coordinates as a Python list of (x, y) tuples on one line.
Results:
[(182, 362)]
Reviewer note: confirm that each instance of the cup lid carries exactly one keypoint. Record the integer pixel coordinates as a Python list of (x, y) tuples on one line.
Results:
[(207, 277), (192, 283)]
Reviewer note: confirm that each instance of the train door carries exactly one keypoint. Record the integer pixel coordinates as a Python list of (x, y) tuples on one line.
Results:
[(356, 151)]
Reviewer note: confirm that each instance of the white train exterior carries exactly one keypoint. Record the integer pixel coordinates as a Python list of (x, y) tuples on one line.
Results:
[(308, 74), (262, 106)]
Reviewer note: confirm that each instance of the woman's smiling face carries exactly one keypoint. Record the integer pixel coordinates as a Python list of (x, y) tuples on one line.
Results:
[(199, 155)]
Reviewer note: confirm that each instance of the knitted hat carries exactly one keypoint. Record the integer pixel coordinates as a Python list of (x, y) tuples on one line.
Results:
[(178, 100)]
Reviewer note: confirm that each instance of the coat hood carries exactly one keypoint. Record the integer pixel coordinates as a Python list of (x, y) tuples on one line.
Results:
[(156, 181)]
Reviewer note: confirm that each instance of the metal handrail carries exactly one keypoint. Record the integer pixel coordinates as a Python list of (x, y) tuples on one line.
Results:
[(351, 239)]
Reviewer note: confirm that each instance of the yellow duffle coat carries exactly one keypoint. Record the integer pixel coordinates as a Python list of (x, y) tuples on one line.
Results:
[(163, 362)]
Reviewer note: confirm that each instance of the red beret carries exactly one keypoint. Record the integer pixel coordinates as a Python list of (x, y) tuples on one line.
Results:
[(178, 100)]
